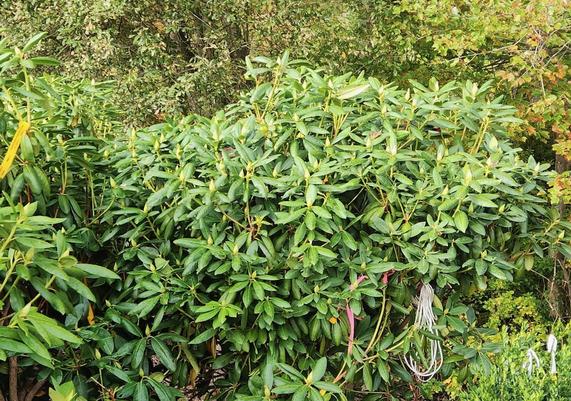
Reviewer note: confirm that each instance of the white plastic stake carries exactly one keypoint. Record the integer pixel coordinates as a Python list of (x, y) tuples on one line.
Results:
[(552, 349), (531, 358)]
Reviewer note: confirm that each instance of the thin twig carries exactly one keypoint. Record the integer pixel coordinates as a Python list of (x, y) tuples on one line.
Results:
[(34, 390)]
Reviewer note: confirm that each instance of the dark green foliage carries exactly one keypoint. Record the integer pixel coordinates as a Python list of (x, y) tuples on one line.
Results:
[(244, 235), (241, 250)]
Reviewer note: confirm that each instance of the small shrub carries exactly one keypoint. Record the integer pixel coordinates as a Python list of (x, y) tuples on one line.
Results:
[(509, 381), (514, 311)]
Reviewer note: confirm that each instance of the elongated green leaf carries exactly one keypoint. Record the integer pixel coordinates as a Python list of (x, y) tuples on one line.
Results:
[(18, 347), (352, 91), (138, 353), (141, 393), (96, 271), (329, 387), (319, 369), (461, 221), (81, 288), (33, 41), (163, 353)]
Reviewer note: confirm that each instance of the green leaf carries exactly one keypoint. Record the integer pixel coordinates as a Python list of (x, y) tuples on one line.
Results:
[(289, 388), (290, 371), (367, 378), (33, 41), (288, 217), (319, 369), (141, 393), (314, 395), (383, 370), (461, 221), (310, 220), (52, 327), (189, 243), (117, 373), (497, 272), (268, 375), (351, 91), (161, 390), (202, 337), (144, 307), (299, 394), (484, 200), (321, 212), (325, 252), (36, 243), (310, 195), (81, 288), (96, 271), (43, 221), (35, 345), (138, 353), (163, 353), (441, 123), (330, 387), (17, 347), (44, 61)]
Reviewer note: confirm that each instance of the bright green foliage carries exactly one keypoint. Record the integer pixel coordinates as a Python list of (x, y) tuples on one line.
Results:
[(509, 381), (46, 208), (244, 235), (514, 311), (64, 392), (56, 158), (285, 380), (31, 263)]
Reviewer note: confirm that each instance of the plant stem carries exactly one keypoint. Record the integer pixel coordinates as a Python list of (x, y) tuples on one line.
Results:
[(12, 286), (8, 274), (3, 248), (481, 135), (383, 326), (34, 390), (13, 379), (340, 374), (372, 342), (9, 238), (395, 346)]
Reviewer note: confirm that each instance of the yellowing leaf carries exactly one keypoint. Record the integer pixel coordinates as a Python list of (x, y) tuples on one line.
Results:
[(23, 128), (90, 315), (192, 376), (211, 345)]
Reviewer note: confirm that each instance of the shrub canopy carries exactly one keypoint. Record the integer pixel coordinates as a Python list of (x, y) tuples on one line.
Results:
[(273, 249), (253, 233)]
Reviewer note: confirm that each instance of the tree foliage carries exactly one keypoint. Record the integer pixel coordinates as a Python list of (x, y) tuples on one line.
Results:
[(185, 56)]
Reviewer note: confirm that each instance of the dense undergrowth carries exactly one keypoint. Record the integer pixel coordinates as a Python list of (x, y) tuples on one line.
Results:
[(272, 251)]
